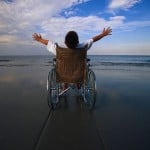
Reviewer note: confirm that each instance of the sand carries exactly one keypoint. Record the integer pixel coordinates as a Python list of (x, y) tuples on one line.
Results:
[(119, 121)]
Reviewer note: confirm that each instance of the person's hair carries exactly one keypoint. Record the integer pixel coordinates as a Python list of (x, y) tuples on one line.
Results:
[(71, 39)]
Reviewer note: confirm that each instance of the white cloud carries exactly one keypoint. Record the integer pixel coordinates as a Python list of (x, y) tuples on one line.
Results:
[(117, 21), (7, 38), (22, 18), (19, 19), (61, 24), (122, 4), (69, 13)]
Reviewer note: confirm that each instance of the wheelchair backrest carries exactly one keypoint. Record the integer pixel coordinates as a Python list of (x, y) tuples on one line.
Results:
[(70, 65)]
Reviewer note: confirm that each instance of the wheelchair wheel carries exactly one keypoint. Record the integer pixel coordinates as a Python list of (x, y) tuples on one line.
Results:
[(53, 89), (90, 90)]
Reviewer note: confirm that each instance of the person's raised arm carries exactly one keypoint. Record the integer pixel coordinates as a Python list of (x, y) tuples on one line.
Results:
[(38, 38), (104, 33)]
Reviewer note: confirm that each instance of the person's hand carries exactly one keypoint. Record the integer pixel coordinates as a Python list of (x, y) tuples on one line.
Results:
[(106, 31), (36, 37)]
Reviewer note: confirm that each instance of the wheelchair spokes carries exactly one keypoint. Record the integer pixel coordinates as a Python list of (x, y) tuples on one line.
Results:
[(90, 90), (53, 89)]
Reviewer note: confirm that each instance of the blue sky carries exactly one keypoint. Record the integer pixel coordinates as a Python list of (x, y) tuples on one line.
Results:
[(129, 20)]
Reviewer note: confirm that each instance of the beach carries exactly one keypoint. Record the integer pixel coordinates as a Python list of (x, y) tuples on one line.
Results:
[(120, 117)]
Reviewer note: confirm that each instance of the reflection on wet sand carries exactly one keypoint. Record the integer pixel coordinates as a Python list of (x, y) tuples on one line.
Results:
[(121, 115)]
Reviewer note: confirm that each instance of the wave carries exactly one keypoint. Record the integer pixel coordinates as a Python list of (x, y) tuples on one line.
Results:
[(4, 60), (96, 61), (120, 64), (15, 65), (24, 65)]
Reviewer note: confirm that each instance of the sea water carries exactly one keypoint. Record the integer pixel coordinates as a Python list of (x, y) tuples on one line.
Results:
[(122, 107), (97, 61)]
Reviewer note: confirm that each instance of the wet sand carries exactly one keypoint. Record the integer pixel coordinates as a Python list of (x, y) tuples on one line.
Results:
[(120, 120)]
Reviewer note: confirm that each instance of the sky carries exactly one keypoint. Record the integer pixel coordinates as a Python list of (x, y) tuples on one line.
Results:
[(129, 20)]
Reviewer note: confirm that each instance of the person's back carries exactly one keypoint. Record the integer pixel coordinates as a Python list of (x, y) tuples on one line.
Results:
[(71, 42)]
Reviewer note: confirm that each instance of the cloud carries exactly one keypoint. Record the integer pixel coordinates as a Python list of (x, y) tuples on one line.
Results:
[(62, 24), (122, 4), (22, 18), (7, 38), (44, 17)]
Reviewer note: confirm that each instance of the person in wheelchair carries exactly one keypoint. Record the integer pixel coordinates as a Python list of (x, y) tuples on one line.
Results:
[(71, 41), (69, 51)]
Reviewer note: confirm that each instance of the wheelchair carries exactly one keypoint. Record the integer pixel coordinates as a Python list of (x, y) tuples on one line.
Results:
[(71, 67)]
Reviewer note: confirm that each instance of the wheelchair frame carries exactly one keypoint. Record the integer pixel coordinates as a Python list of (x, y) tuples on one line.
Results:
[(88, 87)]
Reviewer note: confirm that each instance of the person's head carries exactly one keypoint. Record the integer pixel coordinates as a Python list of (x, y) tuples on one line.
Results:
[(71, 39)]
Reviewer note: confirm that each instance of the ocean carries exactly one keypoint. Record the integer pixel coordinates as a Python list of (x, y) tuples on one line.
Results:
[(121, 113), (140, 62)]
